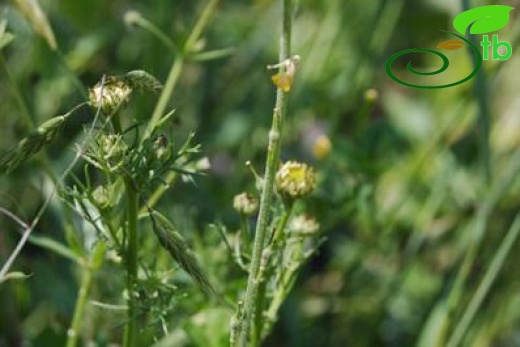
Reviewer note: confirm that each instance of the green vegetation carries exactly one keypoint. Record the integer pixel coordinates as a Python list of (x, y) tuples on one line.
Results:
[(215, 173)]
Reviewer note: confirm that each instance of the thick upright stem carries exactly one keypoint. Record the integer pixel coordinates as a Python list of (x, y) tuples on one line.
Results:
[(278, 246), (273, 156)]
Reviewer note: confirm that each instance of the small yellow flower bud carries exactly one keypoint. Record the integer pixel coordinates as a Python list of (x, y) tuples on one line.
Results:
[(295, 180), (245, 204), (321, 147), (371, 95)]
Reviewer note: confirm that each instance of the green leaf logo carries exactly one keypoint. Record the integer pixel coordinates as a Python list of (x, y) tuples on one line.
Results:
[(482, 20)]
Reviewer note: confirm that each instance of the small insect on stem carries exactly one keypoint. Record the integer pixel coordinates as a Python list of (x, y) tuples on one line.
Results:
[(284, 78)]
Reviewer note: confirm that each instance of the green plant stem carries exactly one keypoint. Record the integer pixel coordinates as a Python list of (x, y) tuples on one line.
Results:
[(26, 114), (485, 284), (273, 156), (169, 86), (80, 308), (154, 30), (482, 95), (177, 66), (89, 268), (244, 226), (166, 94), (132, 207), (131, 261), (81, 301), (277, 246)]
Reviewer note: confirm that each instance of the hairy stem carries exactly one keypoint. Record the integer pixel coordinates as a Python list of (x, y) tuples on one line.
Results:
[(278, 245), (273, 156)]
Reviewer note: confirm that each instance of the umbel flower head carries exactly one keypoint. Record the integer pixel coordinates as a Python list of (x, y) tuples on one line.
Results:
[(295, 180), (111, 94)]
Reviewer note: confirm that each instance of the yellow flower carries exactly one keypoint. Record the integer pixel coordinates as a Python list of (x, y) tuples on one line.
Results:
[(284, 79), (295, 180)]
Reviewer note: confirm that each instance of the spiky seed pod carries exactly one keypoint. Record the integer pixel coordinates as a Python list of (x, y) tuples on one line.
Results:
[(143, 81), (295, 180), (175, 244), (245, 204), (32, 144), (110, 95)]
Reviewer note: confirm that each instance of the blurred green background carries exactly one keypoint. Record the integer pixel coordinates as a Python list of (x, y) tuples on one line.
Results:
[(417, 203)]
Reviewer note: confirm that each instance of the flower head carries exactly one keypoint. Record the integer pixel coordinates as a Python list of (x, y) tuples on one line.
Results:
[(245, 203), (108, 96), (295, 180), (304, 225)]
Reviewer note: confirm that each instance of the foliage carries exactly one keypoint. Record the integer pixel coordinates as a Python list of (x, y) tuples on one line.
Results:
[(130, 217)]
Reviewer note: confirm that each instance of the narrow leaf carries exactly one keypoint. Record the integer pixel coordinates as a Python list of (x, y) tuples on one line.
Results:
[(55, 247), (34, 14)]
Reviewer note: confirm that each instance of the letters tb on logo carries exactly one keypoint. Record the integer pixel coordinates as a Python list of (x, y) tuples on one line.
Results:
[(495, 47)]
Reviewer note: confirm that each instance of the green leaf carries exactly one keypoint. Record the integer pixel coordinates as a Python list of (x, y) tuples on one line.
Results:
[(483, 19), (73, 242), (54, 246), (98, 254)]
